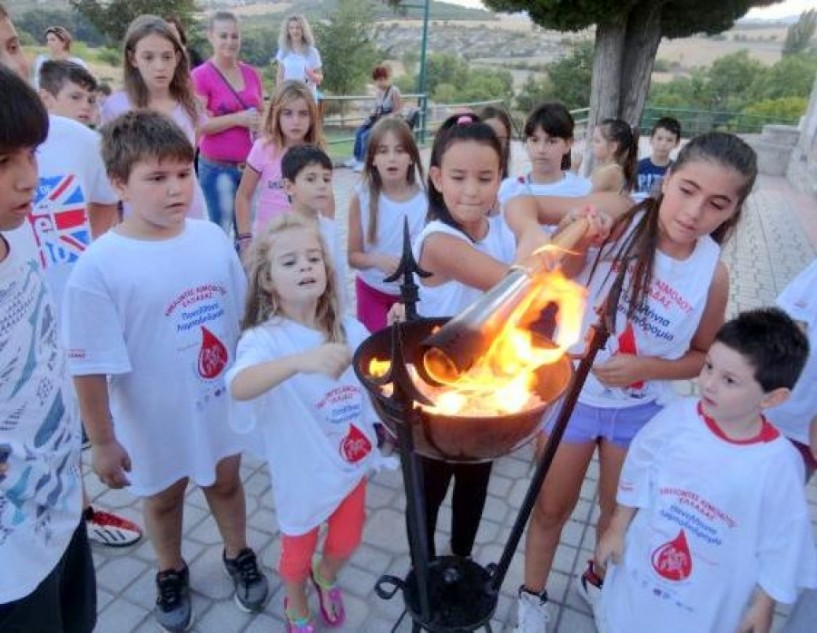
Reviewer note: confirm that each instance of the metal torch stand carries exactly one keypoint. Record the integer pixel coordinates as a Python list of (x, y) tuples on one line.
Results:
[(452, 594)]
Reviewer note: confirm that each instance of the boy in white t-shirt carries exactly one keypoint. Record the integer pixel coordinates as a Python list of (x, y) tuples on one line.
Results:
[(712, 525), (307, 174), (152, 311), (47, 582), (74, 204)]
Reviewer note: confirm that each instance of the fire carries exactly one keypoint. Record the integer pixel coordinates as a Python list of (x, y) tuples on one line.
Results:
[(503, 380)]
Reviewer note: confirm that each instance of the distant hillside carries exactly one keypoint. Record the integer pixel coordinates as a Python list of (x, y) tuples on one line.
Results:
[(438, 10)]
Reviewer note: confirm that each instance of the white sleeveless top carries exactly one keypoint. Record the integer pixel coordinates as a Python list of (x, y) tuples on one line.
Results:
[(389, 231), (663, 327), (451, 297)]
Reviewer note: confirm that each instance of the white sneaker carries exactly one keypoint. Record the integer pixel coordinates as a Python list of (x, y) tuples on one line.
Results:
[(359, 165), (532, 614), (588, 586), (350, 162)]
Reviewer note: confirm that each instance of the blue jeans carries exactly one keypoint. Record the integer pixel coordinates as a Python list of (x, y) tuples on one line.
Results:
[(361, 141), (219, 182)]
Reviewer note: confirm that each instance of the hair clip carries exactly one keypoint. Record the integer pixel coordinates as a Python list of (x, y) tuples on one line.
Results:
[(465, 119)]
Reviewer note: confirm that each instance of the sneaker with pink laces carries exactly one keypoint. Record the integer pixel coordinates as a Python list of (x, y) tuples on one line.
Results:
[(109, 529), (330, 598), (298, 625)]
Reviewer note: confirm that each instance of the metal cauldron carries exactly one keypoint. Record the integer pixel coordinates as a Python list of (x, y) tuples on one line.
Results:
[(455, 438)]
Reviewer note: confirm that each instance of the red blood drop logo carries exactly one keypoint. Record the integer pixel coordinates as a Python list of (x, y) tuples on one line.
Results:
[(673, 560), (212, 355), (626, 345), (355, 446)]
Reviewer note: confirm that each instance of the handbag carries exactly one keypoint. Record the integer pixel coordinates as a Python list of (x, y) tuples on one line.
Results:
[(379, 112), (237, 96)]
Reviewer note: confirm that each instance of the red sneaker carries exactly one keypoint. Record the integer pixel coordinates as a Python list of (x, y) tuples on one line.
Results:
[(111, 530)]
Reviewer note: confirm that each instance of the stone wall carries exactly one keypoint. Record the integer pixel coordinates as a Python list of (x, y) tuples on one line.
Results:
[(802, 168)]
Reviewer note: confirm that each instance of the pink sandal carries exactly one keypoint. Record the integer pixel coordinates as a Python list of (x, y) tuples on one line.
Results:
[(330, 599)]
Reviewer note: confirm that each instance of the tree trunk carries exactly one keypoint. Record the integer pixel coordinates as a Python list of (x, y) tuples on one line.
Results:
[(605, 91), (640, 47)]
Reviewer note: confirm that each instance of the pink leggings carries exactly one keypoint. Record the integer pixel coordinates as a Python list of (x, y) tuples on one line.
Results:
[(372, 305), (342, 537)]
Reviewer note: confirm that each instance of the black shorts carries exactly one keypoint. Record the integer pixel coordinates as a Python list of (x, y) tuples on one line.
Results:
[(65, 602)]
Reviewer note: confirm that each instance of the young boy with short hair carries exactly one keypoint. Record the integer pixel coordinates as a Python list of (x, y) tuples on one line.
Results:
[(68, 90), (712, 525), (307, 174), (47, 583), (152, 317), (664, 137)]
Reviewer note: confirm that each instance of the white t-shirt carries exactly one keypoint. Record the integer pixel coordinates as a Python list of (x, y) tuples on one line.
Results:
[(329, 234), (39, 440), (451, 297), (799, 300), (316, 432), (160, 318), (570, 186), (664, 327), (58, 229), (390, 216), (715, 519), (296, 64)]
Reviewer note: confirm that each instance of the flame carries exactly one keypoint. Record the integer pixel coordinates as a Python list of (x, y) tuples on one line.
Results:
[(504, 379)]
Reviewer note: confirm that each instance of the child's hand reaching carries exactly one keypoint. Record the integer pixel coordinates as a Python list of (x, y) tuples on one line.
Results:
[(609, 547), (758, 618), (331, 359), (110, 461), (387, 264), (599, 225), (396, 314), (620, 370)]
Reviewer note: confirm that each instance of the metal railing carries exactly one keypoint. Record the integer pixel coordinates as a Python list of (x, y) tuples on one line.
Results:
[(694, 122), (339, 117)]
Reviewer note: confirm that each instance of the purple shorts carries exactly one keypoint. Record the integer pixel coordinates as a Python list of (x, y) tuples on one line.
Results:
[(615, 425)]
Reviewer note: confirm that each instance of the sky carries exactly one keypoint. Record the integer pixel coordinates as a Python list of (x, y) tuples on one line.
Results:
[(783, 9)]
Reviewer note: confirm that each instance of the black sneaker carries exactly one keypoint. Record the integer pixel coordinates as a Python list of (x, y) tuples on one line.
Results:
[(174, 611), (251, 586)]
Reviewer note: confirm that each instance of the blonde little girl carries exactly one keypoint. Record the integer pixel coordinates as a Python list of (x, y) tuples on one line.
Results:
[(313, 416)]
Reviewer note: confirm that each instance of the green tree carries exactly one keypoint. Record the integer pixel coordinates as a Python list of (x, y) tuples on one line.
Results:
[(112, 18), (346, 42), (626, 39), (444, 68), (791, 76), (776, 109), (730, 78), (534, 91), (799, 34), (567, 80), (571, 76), (37, 20)]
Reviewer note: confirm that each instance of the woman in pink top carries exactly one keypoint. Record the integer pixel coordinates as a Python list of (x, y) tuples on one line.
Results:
[(232, 93), (157, 76)]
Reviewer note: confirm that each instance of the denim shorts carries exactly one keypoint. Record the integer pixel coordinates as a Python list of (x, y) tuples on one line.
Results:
[(615, 425)]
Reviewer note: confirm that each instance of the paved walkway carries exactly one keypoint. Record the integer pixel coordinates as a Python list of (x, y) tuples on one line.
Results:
[(775, 241)]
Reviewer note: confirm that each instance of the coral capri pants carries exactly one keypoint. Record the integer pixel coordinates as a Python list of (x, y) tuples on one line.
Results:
[(345, 529)]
